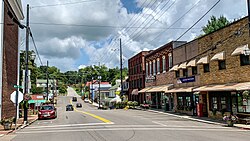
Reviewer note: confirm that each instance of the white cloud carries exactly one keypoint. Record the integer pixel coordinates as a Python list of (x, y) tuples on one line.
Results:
[(82, 66), (64, 45)]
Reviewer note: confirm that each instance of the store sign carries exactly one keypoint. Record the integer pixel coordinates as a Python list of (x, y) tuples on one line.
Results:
[(186, 79), (150, 79)]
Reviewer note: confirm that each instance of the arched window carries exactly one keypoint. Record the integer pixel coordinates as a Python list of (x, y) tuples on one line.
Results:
[(158, 65), (170, 60), (163, 63)]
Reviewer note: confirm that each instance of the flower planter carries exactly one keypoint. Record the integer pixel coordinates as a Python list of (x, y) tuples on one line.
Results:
[(230, 123), (7, 125)]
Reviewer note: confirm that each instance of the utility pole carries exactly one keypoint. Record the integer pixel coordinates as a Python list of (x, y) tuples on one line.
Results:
[(248, 7), (99, 78), (121, 66), (25, 117), (47, 76)]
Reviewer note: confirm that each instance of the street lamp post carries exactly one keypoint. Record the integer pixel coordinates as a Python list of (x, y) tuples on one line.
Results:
[(99, 96)]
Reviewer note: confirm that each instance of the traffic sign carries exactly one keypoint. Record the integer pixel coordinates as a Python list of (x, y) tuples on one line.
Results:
[(17, 86), (13, 97)]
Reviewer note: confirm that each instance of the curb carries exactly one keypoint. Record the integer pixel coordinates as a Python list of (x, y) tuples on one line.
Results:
[(25, 125), (198, 120), (188, 117)]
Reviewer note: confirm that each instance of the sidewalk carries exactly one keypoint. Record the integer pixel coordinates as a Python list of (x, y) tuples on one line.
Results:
[(199, 119), (20, 125)]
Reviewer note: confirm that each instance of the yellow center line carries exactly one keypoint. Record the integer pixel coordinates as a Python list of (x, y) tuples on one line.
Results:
[(93, 115)]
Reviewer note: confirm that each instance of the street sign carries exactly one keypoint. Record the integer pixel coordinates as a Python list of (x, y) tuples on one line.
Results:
[(13, 97), (18, 86)]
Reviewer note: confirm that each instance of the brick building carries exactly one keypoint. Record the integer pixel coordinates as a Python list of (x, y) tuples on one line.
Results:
[(224, 70), (185, 78), (158, 78), (12, 14), (213, 72), (136, 69)]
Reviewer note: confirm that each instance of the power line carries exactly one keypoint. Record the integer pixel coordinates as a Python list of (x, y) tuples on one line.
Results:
[(60, 4), (198, 20), (158, 35), (104, 26), (35, 47), (140, 33)]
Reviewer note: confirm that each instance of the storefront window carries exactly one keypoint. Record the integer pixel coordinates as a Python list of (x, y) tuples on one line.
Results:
[(223, 103), (244, 102), (180, 101), (188, 101), (214, 103)]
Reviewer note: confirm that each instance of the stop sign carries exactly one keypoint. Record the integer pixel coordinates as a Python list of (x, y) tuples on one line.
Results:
[(13, 97)]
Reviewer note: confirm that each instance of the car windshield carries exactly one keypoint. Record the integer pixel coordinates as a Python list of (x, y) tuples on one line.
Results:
[(69, 105), (47, 108)]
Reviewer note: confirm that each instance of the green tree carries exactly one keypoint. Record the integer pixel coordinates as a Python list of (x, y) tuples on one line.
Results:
[(215, 24)]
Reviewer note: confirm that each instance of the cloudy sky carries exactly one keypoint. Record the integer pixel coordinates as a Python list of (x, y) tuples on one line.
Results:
[(77, 33)]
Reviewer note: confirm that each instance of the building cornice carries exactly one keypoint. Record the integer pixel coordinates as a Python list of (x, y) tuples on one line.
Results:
[(16, 6)]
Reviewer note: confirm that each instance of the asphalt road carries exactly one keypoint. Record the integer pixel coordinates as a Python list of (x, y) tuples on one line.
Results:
[(90, 124)]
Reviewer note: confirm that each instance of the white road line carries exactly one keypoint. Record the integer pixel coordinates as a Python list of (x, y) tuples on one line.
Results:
[(159, 123), (123, 126), (137, 129), (68, 125)]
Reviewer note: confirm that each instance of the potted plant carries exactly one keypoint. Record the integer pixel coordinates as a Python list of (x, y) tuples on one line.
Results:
[(230, 119), (7, 123)]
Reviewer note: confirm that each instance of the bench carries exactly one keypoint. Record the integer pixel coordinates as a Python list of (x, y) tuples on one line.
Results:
[(244, 119)]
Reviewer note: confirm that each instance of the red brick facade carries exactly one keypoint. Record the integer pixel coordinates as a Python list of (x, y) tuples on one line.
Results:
[(10, 64), (136, 68)]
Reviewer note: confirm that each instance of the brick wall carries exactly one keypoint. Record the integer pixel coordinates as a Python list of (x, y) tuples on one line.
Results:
[(163, 78), (10, 64), (185, 53), (227, 41)]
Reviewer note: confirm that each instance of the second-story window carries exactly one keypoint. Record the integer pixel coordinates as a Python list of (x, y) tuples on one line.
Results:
[(244, 60), (146, 69), (150, 68), (163, 63), (154, 67), (185, 72), (158, 65), (177, 74), (222, 64), (194, 70), (170, 60), (206, 68)]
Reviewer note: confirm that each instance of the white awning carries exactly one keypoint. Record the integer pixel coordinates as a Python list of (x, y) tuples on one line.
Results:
[(162, 88), (178, 90), (135, 92), (225, 87), (203, 60), (174, 68), (144, 90), (218, 56), (191, 63), (240, 50), (183, 65)]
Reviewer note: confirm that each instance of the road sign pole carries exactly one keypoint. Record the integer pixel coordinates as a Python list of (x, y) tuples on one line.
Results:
[(16, 108)]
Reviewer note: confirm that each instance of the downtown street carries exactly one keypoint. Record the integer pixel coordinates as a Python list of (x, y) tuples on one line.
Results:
[(90, 124)]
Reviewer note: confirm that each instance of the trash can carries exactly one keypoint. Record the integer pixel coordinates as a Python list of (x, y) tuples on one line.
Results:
[(200, 110)]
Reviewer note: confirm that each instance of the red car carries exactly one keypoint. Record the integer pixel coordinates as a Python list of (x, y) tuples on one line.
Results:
[(47, 111)]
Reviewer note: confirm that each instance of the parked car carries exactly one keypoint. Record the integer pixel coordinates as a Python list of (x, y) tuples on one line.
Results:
[(69, 107), (74, 99), (78, 105), (47, 111)]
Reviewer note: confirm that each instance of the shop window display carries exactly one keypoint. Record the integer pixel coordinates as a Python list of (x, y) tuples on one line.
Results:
[(244, 102)]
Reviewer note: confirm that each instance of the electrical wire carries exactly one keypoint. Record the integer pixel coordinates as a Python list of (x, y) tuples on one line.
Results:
[(33, 40), (198, 20), (60, 4)]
